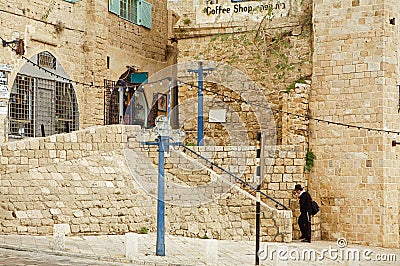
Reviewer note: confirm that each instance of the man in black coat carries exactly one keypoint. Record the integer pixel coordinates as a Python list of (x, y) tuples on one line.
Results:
[(305, 213)]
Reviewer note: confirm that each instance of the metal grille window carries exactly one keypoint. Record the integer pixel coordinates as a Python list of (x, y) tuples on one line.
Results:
[(134, 107), (111, 103), (45, 59), (40, 107), (20, 107), (66, 113)]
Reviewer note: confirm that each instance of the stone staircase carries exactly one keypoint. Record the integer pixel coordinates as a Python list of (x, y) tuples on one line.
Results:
[(100, 181)]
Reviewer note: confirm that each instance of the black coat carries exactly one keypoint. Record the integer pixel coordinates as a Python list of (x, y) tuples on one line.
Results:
[(305, 202)]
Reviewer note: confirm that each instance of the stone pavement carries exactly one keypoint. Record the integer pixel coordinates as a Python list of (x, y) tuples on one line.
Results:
[(110, 250), (9, 257)]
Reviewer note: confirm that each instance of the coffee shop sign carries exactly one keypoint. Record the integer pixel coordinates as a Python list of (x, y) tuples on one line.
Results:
[(238, 7)]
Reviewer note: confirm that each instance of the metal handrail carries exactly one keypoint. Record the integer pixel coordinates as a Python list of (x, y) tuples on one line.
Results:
[(237, 178)]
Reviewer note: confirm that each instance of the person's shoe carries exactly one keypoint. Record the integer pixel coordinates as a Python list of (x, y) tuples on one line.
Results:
[(306, 240)]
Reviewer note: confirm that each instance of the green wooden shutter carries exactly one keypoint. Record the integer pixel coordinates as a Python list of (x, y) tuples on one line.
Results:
[(144, 16), (113, 6)]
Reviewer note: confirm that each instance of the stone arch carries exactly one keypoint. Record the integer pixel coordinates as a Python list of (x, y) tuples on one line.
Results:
[(42, 99)]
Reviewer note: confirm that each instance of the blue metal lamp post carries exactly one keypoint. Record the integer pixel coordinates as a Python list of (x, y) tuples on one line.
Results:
[(200, 116), (165, 137)]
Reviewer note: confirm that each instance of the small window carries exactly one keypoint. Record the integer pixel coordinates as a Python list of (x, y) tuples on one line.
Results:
[(136, 11), (47, 60)]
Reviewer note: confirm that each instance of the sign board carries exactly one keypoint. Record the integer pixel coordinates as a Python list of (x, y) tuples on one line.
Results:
[(140, 77), (3, 107), (3, 77), (4, 94), (4, 67), (219, 11)]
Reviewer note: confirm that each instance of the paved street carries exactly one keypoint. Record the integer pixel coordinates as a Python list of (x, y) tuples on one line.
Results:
[(11, 257), (110, 250)]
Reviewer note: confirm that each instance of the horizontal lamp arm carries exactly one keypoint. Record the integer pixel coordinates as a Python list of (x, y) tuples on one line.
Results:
[(149, 143)]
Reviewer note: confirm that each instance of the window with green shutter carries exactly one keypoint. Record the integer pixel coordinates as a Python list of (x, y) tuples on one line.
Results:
[(113, 6), (136, 11), (144, 14)]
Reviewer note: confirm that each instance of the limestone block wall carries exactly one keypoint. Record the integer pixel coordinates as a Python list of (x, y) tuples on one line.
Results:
[(91, 43), (284, 169), (294, 115), (230, 217), (273, 53), (206, 202), (74, 178), (93, 180), (355, 73), (242, 123)]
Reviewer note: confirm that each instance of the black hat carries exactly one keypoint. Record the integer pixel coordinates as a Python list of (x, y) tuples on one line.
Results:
[(298, 187)]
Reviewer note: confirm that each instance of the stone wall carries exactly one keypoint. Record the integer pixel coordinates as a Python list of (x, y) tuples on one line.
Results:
[(355, 77), (83, 36), (70, 178), (99, 181), (270, 52), (286, 160), (274, 53), (355, 73), (284, 169)]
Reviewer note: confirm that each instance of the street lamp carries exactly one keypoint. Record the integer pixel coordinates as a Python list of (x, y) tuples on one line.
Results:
[(200, 71), (163, 136)]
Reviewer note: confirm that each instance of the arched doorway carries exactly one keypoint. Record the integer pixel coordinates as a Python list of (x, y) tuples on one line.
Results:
[(42, 103), (125, 101)]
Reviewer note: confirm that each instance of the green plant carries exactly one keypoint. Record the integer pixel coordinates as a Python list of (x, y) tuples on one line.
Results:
[(59, 27), (48, 11), (143, 230), (204, 237), (293, 85), (290, 87), (310, 157), (190, 144), (269, 51)]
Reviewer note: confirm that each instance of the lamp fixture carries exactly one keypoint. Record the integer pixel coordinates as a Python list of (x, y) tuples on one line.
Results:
[(6, 43)]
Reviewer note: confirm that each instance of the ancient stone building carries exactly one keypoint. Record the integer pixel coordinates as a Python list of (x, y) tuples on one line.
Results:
[(268, 48), (66, 66), (77, 58), (349, 50), (320, 77), (355, 81)]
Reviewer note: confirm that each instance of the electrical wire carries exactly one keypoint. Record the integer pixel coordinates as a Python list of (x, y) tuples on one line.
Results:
[(74, 81), (306, 117)]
